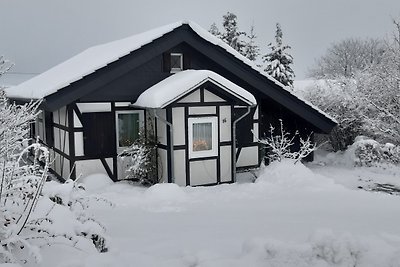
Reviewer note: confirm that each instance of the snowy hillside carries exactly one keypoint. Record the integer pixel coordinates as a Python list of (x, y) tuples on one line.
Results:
[(291, 216)]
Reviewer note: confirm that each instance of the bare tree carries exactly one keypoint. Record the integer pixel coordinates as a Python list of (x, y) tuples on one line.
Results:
[(347, 57), (363, 92)]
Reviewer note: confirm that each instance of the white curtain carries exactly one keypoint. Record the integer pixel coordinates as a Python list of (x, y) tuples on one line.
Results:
[(202, 136)]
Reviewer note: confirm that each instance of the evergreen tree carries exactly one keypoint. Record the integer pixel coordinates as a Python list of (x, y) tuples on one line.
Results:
[(278, 61), (214, 30), (251, 50), (231, 34)]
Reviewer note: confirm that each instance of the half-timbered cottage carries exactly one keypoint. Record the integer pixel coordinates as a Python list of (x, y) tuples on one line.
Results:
[(208, 105)]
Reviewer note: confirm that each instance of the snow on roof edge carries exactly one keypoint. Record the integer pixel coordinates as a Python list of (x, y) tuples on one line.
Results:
[(149, 37), (217, 41), (177, 85)]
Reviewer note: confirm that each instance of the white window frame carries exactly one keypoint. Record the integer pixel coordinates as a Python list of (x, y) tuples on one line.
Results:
[(214, 140), (174, 70), (141, 124)]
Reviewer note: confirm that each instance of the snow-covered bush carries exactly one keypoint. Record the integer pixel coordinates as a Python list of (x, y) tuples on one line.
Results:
[(368, 152), (71, 199), (324, 248), (141, 156), (279, 145), (29, 217), (20, 188), (365, 98), (340, 99)]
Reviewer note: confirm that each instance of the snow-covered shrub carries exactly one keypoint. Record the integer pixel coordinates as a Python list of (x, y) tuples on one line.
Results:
[(20, 188), (368, 152), (324, 248), (71, 199), (340, 99), (279, 145), (365, 98), (141, 155), (30, 219)]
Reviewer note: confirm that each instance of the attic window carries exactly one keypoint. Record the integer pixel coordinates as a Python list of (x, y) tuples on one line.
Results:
[(176, 62)]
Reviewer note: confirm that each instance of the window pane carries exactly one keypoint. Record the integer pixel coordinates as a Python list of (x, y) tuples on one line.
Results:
[(202, 136), (128, 129)]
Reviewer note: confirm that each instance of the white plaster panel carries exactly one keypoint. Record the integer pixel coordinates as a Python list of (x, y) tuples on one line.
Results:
[(248, 156), (79, 144), (77, 121), (63, 116), (225, 123), (192, 98), (255, 132), (56, 119), (226, 163), (88, 167), (180, 167), (37, 128), (178, 122), (202, 110), (56, 163), (94, 107), (210, 97), (255, 117), (61, 165), (122, 104), (40, 130), (162, 165), (59, 136), (161, 127), (203, 172), (66, 170)]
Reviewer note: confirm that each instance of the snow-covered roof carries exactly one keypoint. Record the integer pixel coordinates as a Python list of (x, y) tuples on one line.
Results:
[(172, 88), (100, 56)]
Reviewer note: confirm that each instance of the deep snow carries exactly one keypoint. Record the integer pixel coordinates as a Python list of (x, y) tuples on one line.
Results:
[(291, 216)]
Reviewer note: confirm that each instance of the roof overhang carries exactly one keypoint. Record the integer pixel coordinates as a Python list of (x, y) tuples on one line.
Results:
[(182, 83)]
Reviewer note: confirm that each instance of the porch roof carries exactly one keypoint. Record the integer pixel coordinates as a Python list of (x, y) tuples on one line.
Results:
[(176, 86)]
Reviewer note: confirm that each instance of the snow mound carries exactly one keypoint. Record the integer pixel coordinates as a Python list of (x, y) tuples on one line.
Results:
[(363, 152), (324, 248), (289, 174), (96, 182), (165, 192)]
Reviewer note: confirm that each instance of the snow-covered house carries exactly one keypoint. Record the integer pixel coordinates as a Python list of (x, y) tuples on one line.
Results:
[(203, 97)]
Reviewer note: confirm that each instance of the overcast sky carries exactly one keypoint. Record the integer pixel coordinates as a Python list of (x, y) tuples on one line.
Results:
[(38, 34)]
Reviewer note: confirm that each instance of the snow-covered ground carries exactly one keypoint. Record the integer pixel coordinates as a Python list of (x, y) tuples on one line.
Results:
[(291, 216)]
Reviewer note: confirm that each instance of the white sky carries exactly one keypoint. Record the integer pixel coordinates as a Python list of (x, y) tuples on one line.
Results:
[(38, 34)]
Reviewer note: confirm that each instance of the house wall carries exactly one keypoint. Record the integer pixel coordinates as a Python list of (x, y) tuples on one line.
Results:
[(130, 84), (68, 152), (202, 102), (125, 79)]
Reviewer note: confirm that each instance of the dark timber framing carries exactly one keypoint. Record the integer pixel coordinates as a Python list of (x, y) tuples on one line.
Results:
[(126, 78), (228, 101)]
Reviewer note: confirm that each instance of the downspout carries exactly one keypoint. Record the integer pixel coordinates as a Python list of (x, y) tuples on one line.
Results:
[(171, 143), (234, 139)]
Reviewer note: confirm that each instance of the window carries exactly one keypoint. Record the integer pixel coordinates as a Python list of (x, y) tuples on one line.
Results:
[(128, 127), (176, 62), (203, 137)]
